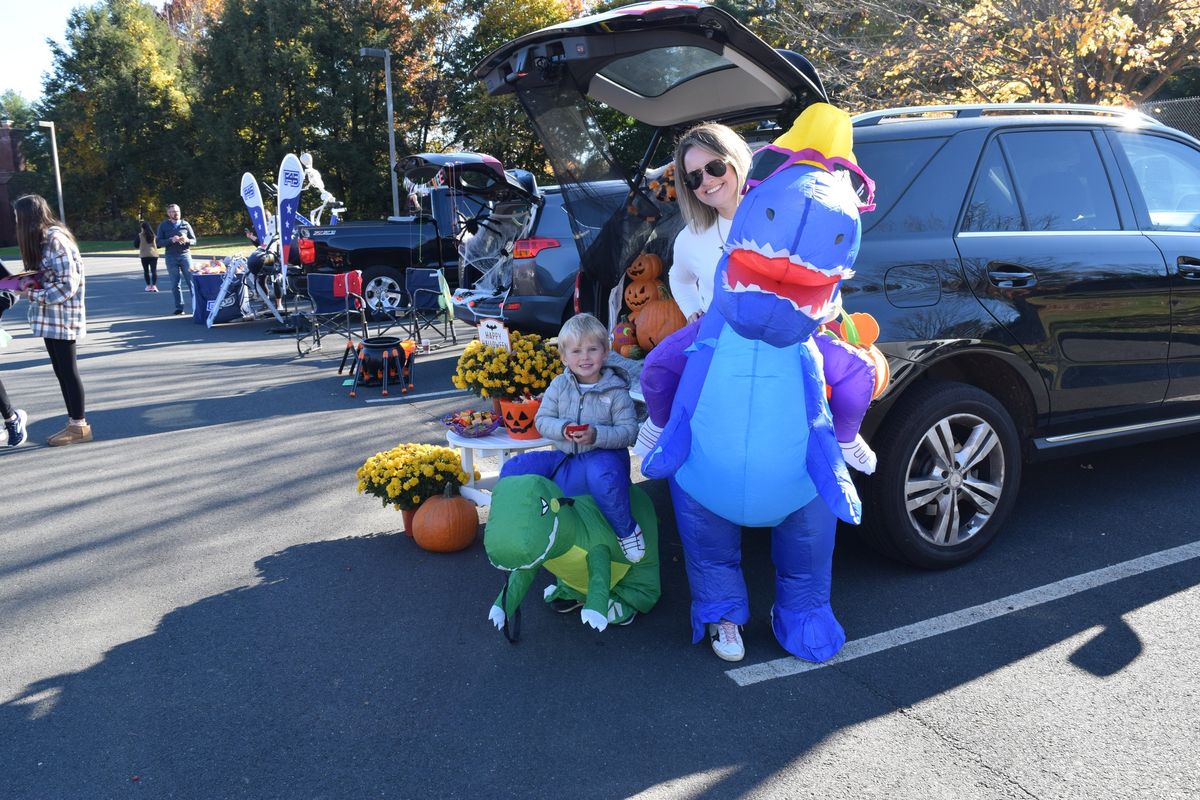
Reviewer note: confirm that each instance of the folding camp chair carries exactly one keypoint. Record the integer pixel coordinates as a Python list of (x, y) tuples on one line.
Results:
[(336, 308), (430, 303)]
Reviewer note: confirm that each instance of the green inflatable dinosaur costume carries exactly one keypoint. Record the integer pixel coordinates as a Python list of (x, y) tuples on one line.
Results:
[(531, 524)]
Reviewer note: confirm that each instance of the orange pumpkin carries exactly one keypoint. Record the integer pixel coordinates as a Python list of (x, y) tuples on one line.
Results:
[(638, 293), (657, 320), (646, 267), (883, 371), (445, 524)]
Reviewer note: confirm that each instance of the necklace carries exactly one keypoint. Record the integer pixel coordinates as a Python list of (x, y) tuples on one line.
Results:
[(720, 236)]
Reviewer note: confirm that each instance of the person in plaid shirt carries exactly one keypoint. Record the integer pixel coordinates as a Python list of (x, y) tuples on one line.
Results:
[(56, 310)]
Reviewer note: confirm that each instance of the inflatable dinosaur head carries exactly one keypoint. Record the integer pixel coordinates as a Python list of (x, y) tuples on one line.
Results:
[(796, 232), (530, 521)]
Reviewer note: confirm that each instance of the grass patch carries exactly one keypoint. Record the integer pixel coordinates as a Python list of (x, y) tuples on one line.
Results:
[(208, 246)]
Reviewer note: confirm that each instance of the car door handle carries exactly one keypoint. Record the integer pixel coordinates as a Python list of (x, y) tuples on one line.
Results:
[(1009, 276), (1189, 268)]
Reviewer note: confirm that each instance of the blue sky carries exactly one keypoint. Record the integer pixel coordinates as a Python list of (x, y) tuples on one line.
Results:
[(24, 54)]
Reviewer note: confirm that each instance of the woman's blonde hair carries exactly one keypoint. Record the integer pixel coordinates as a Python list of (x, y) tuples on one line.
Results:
[(722, 142), (581, 327), (34, 218)]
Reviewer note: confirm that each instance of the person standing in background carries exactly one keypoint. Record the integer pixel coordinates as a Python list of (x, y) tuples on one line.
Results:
[(176, 236), (148, 251), (56, 307)]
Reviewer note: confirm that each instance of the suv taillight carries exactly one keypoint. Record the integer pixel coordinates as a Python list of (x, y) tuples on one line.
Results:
[(575, 299), (528, 248), (308, 251)]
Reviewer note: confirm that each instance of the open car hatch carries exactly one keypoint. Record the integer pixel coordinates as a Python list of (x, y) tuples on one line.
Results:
[(663, 64)]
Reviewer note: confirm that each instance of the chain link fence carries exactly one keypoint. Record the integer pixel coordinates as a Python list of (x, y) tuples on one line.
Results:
[(1183, 113)]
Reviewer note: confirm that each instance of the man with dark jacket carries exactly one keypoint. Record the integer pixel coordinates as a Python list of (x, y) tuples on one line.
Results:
[(176, 236)]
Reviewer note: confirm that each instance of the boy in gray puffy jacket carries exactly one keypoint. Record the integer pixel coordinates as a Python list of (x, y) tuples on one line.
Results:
[(589, 416)]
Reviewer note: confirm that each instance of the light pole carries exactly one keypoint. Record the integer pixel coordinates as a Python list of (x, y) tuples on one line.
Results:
[(386, 55), (62, 217)]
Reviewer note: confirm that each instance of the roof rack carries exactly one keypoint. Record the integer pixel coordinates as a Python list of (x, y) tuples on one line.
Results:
[(982, 109)]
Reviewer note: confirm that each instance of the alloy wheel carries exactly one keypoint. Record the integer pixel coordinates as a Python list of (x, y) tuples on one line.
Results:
[(954, 480)]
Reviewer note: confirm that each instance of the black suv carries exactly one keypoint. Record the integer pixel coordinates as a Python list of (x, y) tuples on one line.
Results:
[(1034, 271), (1033, 268)]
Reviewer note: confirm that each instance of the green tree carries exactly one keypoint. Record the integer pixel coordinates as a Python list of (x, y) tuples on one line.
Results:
[(285, 76), (496, 125), (117, 95), (15, 107)]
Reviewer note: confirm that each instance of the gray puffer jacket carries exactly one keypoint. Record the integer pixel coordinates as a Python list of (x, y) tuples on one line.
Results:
[(606, 405)]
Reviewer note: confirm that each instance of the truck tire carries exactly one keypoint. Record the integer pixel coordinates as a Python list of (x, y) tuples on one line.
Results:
[(383, 290), (949, 470)]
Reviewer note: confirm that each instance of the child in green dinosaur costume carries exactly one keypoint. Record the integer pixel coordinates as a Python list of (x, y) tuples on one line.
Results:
[(531, 524)]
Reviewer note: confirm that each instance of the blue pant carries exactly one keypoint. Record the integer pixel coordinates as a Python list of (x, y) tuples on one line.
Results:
[(604, 474), (802, 550), (179, 267)]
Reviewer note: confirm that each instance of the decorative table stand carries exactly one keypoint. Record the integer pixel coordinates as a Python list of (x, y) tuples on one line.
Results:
[(498, 441)]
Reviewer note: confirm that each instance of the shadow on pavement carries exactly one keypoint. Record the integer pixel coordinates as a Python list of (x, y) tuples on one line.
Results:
[(363, 665)]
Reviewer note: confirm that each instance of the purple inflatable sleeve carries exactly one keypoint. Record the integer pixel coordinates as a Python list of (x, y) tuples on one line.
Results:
[(660, 375), (850, 376)]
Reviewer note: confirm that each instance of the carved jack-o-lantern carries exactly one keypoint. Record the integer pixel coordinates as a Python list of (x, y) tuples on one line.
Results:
[(646, 267), (638, 294), (519, 418)]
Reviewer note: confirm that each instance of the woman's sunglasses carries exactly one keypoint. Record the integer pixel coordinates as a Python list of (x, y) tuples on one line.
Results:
[(693, 179)]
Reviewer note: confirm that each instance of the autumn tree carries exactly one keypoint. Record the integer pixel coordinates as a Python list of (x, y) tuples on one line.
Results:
[(876, 53)]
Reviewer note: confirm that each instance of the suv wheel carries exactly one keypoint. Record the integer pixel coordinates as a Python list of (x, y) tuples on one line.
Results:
[(383, 289), (949, 469)]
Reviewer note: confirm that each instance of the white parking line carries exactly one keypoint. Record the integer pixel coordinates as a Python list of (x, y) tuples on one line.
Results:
[(395, 398), (897, 637)]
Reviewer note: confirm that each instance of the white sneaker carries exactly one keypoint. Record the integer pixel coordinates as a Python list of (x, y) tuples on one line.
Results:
[(633, 546), (148, 288), (726, 639)]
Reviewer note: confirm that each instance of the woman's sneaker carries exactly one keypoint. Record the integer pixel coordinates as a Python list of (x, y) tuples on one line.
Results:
[(16, 428), (726, 640)]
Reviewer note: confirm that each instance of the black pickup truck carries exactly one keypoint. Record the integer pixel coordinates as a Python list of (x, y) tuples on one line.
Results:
[(461, 193)]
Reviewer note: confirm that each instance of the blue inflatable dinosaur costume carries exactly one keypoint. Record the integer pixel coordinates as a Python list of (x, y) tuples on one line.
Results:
[(760, 416)]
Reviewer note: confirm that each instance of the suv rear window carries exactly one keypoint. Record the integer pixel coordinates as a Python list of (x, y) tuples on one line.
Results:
[(655, 72), (893, 166), (1061, 182)]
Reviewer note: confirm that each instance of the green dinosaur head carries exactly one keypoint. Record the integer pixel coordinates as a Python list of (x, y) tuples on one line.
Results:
[(529, 522)]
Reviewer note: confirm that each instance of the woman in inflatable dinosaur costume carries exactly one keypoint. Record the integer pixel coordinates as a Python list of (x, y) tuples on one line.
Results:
[(759, 416)]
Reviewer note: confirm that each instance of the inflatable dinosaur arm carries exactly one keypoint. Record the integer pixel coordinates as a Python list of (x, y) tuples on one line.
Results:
[(509, 599), (850, 376), (660, 375), (595, 608)]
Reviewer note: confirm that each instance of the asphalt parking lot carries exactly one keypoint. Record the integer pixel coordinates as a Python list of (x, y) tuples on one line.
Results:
[(199, 605)]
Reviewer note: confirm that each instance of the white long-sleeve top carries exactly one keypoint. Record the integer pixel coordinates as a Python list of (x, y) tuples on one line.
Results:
[(694, 267)]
